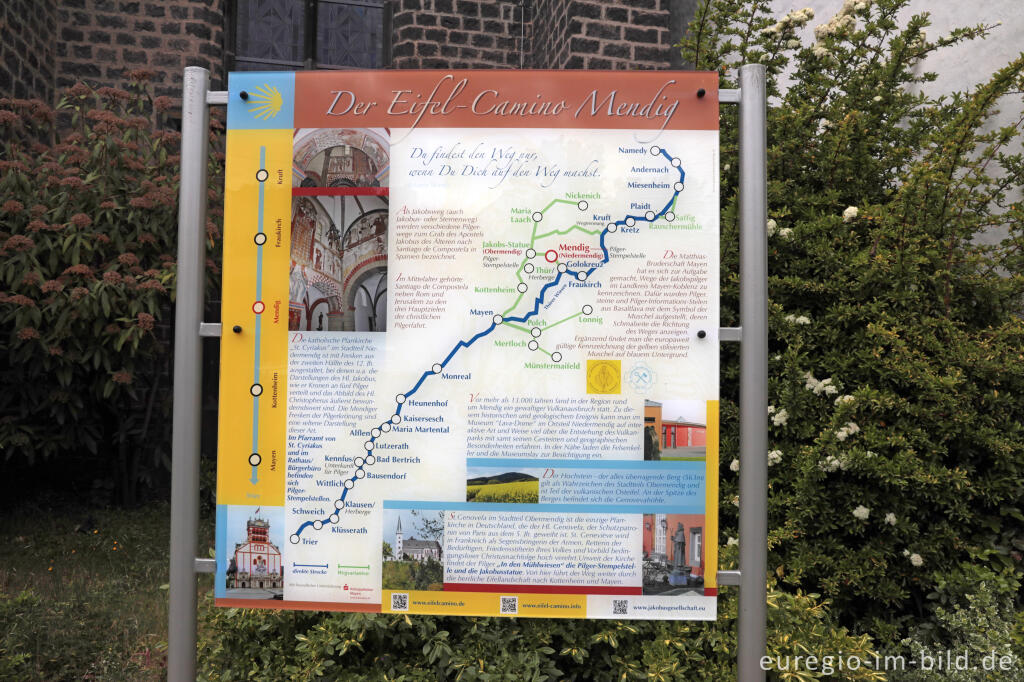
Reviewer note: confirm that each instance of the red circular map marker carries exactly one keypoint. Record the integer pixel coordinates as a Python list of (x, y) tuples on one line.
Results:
[(551, 256), (258, 307)]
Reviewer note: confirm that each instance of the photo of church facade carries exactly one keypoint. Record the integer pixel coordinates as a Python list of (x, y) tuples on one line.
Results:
[(256, 562), (339, 239)]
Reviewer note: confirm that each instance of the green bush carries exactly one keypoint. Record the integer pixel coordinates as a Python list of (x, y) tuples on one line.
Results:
[(981, 633), (897, 381), (240, 644), (87, 264)]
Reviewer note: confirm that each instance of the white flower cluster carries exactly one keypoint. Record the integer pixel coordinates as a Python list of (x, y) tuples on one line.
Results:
[(773, 229), (890, 518), (779, 416), (730, 541), (837, 25), (847, 431), (862, 513), (774, 457), (735, 500), (915, 559), (832, 463), (850, 214), (734, 465), (788, 24), (824, 386), (795, 319), (843, 399)]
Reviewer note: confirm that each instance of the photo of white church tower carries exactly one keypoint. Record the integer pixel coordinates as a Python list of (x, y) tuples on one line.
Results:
[(416, 550)]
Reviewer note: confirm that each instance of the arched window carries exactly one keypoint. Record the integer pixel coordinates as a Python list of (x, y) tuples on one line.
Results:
[(288, 35)]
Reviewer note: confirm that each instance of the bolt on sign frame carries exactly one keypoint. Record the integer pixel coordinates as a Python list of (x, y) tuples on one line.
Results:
[(190, 328)]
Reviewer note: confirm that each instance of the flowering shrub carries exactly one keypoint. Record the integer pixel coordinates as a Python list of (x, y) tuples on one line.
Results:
[(87, 244), (883, 287)]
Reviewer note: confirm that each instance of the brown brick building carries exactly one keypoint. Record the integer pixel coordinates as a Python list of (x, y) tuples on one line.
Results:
[(47, 45)]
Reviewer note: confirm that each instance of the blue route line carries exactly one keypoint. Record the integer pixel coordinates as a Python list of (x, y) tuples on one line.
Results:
[(628, 220), (259, 297)]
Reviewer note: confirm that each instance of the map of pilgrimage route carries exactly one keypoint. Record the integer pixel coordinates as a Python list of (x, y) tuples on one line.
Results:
[(476, 340), (627, 223)]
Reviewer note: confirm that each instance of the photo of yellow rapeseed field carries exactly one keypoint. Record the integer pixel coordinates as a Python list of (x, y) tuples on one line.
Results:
[(513, 486)]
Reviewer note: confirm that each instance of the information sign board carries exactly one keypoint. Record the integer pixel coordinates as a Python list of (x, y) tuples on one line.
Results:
[(470, 351)]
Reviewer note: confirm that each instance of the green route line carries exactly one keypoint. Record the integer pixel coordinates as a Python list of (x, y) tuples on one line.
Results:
[(566, 231), (516, 326), (555, 324), (528, 332), (513, 306), (558, 201), (533, 242)]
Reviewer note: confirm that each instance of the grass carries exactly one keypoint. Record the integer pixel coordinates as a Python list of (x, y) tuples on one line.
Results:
[(83, 593), (520, 491)]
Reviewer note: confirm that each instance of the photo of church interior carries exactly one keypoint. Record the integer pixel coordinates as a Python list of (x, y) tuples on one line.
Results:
[(339, 239)]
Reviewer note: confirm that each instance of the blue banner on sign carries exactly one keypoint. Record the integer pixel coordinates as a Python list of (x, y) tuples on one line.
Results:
[(269, 103)]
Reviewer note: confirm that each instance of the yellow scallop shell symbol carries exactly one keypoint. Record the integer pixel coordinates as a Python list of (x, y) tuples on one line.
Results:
[(267, 102), (604, 376)]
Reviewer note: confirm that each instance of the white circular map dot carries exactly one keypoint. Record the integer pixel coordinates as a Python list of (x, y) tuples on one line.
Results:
[(317, 525), (587, 309), (537, 216), (557, 357), (437, 368), (533, 345), (562, 267), (630, 222), (649, 215), (522, 288), (678, 187), (535, 331), (655, 150), (583, 205)]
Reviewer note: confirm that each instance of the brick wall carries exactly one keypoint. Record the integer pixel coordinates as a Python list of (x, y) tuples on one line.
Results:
[(27, 37), (459, 34), (602, 34), (559, 34), (99, 41)]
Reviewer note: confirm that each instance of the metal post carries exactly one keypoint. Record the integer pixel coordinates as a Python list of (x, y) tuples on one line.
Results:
[(753, 335), (195, 125), (753, 192)]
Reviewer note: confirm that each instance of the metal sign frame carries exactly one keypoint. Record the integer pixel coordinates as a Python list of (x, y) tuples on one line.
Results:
[(197, 98)]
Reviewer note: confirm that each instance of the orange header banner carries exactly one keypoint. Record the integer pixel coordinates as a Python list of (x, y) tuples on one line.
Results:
[(614, 100)]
